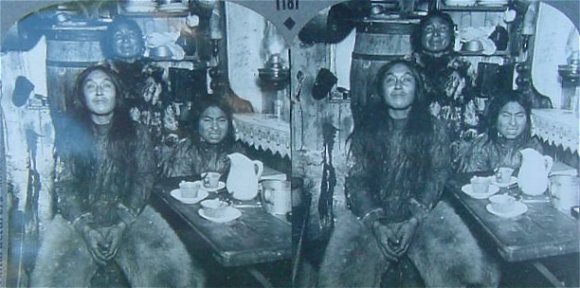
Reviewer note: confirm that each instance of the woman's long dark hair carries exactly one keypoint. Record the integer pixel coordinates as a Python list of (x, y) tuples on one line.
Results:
[(416, 36), (195, 117), (78, 139), (497, 103), (419, 125), (370, 134)]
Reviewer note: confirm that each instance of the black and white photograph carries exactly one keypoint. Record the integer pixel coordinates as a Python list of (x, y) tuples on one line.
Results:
[(437, 145), (289, 143), (147, 145)]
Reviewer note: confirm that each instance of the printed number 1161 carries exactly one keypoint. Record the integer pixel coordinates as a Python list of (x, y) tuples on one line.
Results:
[(287, 4)]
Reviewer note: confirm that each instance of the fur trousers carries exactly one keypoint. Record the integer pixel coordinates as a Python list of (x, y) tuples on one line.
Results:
[(443, 250), (151, 255)]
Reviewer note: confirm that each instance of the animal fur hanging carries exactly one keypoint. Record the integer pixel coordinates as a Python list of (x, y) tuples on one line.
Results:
[(328, 181)]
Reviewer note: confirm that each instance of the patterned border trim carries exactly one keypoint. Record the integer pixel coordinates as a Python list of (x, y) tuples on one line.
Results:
[(263, 132), (557, 127)]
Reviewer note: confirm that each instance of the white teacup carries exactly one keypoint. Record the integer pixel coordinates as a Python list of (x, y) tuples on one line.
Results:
[(210, 179), (502, 203), (503, 174), (480, 185), (188, 189)]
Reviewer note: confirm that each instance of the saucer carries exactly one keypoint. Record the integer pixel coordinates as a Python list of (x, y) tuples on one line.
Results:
[(221, 185), (201, 194), (231, 213), (513, 180), (467, 190), (518, 209)]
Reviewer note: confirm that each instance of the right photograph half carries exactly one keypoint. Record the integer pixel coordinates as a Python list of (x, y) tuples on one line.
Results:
[(435, 144)]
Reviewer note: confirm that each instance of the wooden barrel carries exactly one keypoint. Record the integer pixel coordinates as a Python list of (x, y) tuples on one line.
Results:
[(377, 43), (70, 50)]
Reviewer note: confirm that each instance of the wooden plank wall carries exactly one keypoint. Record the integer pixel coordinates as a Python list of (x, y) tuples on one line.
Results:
[(308, 117)]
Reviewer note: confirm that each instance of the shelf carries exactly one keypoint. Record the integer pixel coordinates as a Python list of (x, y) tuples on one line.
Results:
[(156, 14), (474, 8), (186, 58), (480, 54)]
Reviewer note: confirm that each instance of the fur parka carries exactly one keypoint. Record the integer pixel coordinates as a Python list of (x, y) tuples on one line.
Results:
[(443, 250), (151, 255)]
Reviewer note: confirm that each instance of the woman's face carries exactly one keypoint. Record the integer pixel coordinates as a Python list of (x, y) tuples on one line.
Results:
[(436, 36), (511, 120), (100, 93), (399, 87), (213, 125), (126, 42)]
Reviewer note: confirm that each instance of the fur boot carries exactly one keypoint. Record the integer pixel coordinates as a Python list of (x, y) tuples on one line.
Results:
[(151, 255)]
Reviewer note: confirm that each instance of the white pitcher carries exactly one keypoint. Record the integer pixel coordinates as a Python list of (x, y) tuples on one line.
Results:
[(533, 175), (242, 181)]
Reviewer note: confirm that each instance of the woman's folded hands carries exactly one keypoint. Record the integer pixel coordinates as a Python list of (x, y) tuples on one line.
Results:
[(394, 238), (103, 243)]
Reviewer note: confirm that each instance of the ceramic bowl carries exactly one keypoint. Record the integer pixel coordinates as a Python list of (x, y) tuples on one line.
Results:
[(473, 46), (160, 52)]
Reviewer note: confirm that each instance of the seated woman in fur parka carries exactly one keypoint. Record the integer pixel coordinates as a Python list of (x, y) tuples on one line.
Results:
[(399, 165), (209, 140), (104, 176), (508, 132)]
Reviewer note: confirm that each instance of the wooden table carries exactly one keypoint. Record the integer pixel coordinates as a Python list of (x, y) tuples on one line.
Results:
[(256, 237), (541, 232)]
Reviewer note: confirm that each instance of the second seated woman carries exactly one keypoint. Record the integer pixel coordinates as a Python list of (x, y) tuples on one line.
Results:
[(509, 131), (210, 139)]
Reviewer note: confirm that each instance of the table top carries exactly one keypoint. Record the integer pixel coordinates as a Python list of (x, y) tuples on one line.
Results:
[(255, 237), (542, 231)]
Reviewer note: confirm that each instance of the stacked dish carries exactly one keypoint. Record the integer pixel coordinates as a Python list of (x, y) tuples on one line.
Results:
[(492, 3), (173, 7), (460, 3), (140, 6)]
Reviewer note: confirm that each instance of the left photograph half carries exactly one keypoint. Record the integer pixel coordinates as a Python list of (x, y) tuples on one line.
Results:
[(145, 143)]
